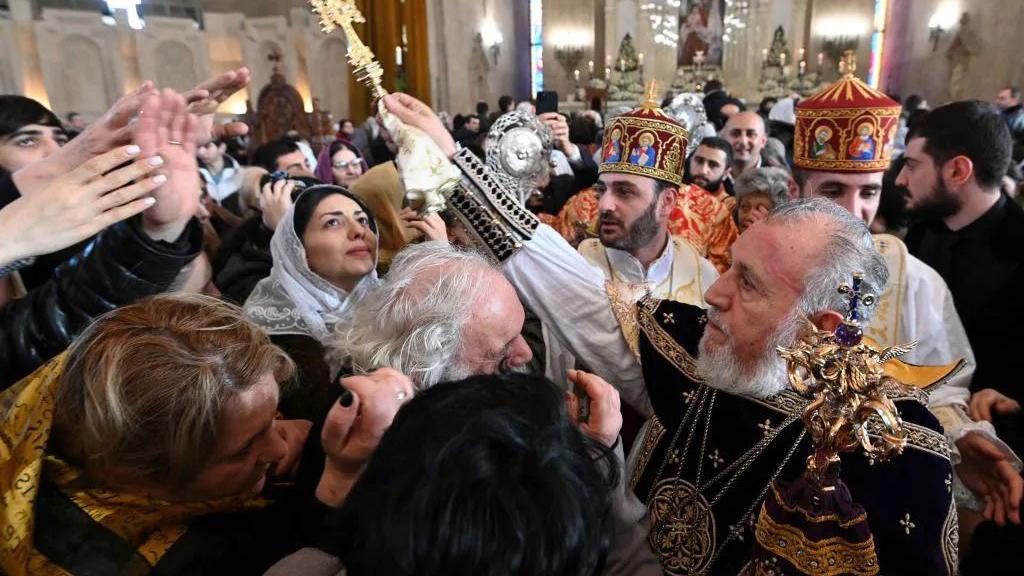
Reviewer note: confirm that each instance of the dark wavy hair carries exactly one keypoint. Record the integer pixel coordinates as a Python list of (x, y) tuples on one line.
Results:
[(485, 476), (16, 112)]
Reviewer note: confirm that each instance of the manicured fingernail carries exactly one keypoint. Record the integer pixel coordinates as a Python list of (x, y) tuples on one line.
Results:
[(346, 399), (156, 161), (132, 150), (159, 179), (149, 201)]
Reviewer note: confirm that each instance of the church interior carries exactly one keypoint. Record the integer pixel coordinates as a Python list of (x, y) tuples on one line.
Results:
[(81, 55)]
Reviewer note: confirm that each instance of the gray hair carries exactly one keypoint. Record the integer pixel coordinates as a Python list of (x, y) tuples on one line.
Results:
[(849, 249), (771, 181), (414, 320)]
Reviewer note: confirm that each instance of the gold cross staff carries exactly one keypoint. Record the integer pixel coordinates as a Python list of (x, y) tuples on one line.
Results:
[(335, 14)]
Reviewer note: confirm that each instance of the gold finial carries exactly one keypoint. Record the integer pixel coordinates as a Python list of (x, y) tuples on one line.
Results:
[(651, 96), (335, 14), (848, 64)]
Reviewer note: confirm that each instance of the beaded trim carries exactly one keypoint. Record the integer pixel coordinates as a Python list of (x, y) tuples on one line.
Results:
[(489, 211)]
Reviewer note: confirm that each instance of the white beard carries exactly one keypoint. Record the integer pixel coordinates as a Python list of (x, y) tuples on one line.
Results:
[(721, 370)]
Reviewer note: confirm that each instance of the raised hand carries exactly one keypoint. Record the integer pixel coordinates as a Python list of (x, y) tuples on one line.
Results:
[(354, 427), (559, 130), (79, 204), (414, 113), (605, 420), (167, 129), (432, 227), (113, 129), (204, 99), (275, 199)]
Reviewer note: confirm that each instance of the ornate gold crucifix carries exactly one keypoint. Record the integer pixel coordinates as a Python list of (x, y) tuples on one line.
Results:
[(342, 14)]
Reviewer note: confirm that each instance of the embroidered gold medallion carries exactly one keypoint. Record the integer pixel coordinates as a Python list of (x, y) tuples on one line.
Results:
[(683, 533)]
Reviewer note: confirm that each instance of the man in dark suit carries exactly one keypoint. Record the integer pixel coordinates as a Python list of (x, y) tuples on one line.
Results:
[(970, 232)]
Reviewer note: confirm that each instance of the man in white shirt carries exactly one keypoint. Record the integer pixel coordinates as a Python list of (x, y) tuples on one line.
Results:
[(221, 172)]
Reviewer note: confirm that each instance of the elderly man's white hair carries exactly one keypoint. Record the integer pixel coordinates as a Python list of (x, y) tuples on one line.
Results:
[(414, 320), (849, 248)]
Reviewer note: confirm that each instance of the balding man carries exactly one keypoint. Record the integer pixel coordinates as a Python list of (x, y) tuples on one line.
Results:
[(746, 132)]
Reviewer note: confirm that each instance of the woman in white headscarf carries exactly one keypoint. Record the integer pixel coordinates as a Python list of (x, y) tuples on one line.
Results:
[(325, 256)]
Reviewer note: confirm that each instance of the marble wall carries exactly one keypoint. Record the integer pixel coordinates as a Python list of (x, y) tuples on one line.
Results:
[(463, 70), (915, 65), (71, 61)]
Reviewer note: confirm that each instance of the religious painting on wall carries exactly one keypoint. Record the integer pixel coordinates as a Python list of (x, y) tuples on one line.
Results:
[(701, 25)]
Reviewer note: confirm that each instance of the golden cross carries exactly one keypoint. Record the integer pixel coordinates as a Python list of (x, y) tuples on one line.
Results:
[(848, 64), (343, 14), (651, 95)]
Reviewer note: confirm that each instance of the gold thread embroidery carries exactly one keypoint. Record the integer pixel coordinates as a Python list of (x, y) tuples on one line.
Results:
[(828, 557), (654, 433), (664, 343)]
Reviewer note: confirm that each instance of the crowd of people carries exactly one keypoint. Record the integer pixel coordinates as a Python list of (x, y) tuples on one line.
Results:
[(223, 358)]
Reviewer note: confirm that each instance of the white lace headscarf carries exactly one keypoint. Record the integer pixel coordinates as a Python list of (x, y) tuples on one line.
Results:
[(296, 300)]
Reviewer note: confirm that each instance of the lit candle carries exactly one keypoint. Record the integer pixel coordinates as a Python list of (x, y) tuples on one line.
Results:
[(764, 54), (803, 67), (802, 51), (821, 59), (590, 66), (576, 74), (607, 72), (782, 58), (622, 64), (398, 55), (641, 59)]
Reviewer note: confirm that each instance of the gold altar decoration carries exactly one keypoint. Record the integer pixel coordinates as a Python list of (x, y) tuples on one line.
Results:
[(844, 376), (427, 174)]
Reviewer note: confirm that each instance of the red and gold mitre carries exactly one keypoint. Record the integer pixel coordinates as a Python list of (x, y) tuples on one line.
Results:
[(847, 127), (646, 142)]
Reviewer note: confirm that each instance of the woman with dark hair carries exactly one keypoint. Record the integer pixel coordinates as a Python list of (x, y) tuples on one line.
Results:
[(340, 163), (325, 256), (28, 132)]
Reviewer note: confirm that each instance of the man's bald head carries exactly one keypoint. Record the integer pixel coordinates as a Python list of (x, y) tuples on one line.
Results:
[(747, 134)]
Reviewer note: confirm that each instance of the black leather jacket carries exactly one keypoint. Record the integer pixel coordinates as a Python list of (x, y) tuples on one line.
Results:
[(121, 265)]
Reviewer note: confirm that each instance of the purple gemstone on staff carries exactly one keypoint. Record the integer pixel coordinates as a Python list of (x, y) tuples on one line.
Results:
[(849, 334)]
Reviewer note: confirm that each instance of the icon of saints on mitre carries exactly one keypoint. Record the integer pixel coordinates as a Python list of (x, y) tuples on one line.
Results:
[(613, 148), (645, 154), (863, 145), (821, 149)]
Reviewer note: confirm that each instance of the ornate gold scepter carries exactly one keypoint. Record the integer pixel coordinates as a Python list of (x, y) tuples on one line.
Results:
[(427, 174), (845, 378)]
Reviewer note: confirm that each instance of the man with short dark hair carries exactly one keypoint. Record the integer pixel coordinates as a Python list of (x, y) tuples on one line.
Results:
[(969, 232), (221, 172), (283, 155), (467, 134), (709, 167), (1008, 100)]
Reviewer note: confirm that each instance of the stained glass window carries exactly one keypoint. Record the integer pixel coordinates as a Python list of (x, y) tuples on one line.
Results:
[(537, 45)]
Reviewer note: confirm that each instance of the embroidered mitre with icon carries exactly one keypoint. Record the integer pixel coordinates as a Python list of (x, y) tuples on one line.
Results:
[(847, 127), (646, 142)]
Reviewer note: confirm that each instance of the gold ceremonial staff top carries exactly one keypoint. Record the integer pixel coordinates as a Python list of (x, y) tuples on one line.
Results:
[(335, 14), (426, 172)]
